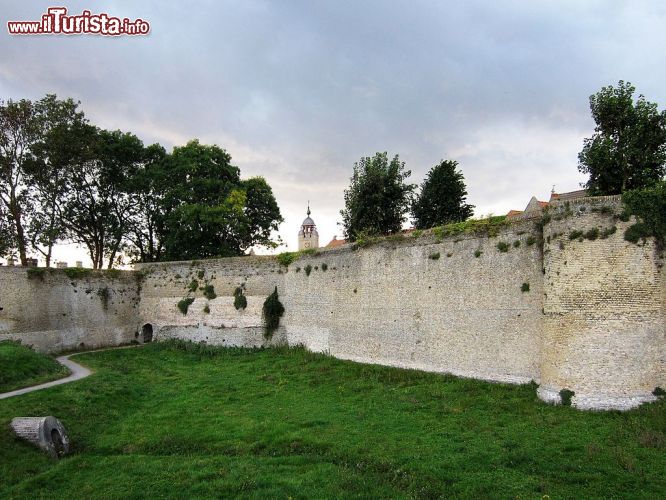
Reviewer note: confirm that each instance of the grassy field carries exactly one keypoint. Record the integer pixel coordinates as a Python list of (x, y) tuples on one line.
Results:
[(174, 421), (20, 367)]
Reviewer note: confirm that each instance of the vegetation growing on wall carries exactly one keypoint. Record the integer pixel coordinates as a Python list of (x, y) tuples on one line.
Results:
[(286, 258), (525, 287), (565, 396), (192, 287), (272, 311), (477, 253), (434, 256), (184, 304), (240, 301), (104, 295), (209, 292), (490, 226), (503, 247), (36, 273), (307, 269), (649, 207)]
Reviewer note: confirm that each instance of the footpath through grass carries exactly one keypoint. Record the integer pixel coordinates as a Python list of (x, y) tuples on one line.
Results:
[(21, 367), (178, 421)]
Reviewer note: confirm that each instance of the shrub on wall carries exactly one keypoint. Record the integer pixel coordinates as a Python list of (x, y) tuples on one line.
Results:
[(308, 269), (434, 256), (477, 253), (272, 311), (503, 247), (104, 295), (209, 292), (565, 396), (184, 304), (525, 287), (649, 207), (240, 301), (192, 287)]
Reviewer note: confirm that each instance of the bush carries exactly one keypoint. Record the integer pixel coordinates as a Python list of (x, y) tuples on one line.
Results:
[(525, 287), (575, 235), (607, 232), (324, 266), (240, 301), (434, 256), (531, 240), (592, 234), (192, 287), (658, 391), (272, 311), (565, 397), (636, 232), (649, 206), (516, 244), (80, 272), (503, 247), (36, 273), (206, 309), (209, 292), (477, 253), (308, 269), (286, 258), (184, 304)]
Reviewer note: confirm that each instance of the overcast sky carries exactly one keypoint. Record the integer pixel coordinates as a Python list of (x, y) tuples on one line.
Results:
[(297, 91)]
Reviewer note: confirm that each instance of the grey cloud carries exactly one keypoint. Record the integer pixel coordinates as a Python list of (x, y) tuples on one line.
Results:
[(298, 91)]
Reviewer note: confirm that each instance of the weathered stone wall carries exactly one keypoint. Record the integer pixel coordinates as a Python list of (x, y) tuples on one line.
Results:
[(54, 312), (587, 316), (395, 304), (604, 336), (221, 323)]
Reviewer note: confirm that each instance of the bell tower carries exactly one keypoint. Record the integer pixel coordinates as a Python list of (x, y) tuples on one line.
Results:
[(308, 237)]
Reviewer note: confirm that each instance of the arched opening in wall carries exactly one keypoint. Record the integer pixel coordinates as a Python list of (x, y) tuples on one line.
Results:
[(147, 333)]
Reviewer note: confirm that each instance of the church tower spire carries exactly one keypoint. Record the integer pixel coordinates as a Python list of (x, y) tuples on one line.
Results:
[(308, 237)]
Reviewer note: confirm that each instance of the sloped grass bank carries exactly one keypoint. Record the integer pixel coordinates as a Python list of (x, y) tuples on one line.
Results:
[(179, 421), (21, 367)]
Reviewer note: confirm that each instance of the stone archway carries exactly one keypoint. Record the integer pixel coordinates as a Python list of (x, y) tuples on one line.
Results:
[(147, 333)]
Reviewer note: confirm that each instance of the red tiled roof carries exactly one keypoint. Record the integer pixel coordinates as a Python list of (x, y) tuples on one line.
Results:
[(335, 242)]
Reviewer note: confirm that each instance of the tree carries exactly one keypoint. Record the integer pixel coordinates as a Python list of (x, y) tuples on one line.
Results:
[(98, 206), (209, 211), (377, 198), (19, 130), (442, 197), (147, 224), (628, 148), (7, 235), (60, 125)]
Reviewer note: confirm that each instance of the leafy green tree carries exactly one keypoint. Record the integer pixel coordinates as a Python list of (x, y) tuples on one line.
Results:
[(98, 206), (209, 211), (7, 236), (442, 197), (19, 130), (147, 224), (628, 148), (378, 197), (60, 124)]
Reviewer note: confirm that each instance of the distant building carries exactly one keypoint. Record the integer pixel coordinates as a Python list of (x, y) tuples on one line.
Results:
[(535, 207), (308, 237), (335, 242)]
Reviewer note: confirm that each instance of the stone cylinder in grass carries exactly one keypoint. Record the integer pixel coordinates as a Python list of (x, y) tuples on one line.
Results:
[(47, 433)]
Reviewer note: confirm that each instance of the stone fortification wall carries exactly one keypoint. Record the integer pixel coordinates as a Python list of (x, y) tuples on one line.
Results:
[(215, 321), (53, 312), (604, 335), (453, 305), (564, 301)]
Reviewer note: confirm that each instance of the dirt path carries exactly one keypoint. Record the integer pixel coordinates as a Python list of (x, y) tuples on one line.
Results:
[(78, 372)]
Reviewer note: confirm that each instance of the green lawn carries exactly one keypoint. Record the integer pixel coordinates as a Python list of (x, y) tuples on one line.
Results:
[(20, 367), (168, 420)]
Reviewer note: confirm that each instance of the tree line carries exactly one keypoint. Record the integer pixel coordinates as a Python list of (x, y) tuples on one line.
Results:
[(627, 152), (62, 179)]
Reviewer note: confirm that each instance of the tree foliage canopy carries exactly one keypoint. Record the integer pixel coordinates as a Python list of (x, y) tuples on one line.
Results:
[(628, 148), (64, 180), (442, 197), (378, 197)]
